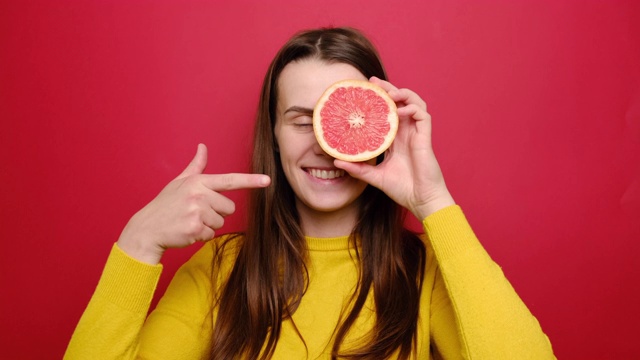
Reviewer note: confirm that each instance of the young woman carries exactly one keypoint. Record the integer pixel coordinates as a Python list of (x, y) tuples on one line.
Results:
[(325, 268)]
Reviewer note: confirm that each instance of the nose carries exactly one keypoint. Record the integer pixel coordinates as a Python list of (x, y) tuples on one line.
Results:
[(317, 149)]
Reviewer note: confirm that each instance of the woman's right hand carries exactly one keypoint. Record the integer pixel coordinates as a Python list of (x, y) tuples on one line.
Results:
[(189, 209)]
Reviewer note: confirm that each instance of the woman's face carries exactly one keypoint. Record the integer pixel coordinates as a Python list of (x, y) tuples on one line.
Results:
[(319, 186)]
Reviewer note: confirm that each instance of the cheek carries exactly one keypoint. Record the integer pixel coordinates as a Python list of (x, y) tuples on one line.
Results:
[(289, 152), (293, 146), (289, 162)]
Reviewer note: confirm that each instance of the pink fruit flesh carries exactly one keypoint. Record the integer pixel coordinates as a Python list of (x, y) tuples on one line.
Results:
[(355, 120)]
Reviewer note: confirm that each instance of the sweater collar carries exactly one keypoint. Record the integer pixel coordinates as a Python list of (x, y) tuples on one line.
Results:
[(328, 244)]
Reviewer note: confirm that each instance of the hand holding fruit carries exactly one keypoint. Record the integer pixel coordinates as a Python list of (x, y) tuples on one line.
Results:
[(410, 173), (189, 209)]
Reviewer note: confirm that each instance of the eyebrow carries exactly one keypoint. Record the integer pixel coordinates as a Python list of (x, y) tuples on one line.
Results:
[(299, 109)]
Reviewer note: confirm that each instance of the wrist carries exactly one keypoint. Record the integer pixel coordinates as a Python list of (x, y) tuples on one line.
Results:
[(438, 203), (136, 247)]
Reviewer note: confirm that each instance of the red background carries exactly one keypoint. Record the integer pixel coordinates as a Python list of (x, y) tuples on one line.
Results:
[(536, 108)]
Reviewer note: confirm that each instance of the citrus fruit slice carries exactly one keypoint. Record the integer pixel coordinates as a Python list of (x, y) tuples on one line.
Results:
[(355, 120)]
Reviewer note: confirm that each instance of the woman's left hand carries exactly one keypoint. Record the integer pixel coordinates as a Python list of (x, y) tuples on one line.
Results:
[(410, 173)]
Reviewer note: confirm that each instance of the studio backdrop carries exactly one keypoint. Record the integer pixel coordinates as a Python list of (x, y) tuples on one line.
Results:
[(536, 125)]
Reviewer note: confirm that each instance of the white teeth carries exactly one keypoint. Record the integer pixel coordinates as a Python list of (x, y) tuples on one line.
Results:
[(324, 174)]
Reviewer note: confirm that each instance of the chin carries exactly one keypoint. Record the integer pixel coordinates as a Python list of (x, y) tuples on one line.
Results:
[(330, 205)]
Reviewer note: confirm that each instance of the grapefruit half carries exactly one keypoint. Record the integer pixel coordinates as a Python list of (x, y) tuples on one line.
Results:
[(355, 120)]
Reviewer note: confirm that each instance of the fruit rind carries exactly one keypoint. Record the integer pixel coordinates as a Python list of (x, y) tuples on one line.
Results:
[(392, 120)]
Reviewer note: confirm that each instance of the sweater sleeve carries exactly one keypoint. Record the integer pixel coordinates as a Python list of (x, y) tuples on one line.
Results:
[(115, 323), (476, 313), (111, 323)]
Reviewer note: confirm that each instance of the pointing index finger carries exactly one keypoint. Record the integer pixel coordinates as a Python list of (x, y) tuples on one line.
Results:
[(235, 181)]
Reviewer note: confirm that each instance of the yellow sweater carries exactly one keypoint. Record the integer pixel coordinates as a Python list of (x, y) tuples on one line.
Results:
[(468, 308)]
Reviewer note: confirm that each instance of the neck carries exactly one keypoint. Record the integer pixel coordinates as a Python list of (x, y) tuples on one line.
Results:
[(324, 224)]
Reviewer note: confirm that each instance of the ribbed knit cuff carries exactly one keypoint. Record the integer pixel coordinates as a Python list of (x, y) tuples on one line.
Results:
[(449, 233), (127, 282)]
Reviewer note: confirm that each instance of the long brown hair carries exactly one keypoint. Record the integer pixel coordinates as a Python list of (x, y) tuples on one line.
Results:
[(269, 276)]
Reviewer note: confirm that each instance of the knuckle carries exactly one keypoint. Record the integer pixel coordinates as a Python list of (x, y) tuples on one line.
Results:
[(192, 210), (194, 226), (227, 181), (411, 109), (194, 197)]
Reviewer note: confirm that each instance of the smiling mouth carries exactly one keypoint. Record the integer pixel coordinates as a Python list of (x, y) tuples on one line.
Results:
[(326, 174)]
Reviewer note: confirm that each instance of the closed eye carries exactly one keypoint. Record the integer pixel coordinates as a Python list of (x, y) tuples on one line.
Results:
[(303, 127)]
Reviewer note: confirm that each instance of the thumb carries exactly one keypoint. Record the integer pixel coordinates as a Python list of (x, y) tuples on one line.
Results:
[(198, 164), (361, 171)]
